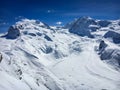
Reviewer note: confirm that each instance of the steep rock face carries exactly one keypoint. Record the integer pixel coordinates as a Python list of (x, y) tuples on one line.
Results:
[(119, 23), (110, 54), (1, 57), (107, 54), (113, 55), (86, 26), (102, 46), (114, 35), (104, 23), (81, 26), (13, 32)]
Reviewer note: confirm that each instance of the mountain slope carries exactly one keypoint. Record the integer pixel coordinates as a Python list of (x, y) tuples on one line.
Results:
[(41, 58), (86, 71)]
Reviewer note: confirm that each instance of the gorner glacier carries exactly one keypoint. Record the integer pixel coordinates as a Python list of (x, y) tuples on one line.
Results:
[(82, 55)]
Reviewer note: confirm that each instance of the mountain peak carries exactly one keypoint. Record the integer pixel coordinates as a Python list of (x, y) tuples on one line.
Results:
[(81, 26), (26, 22), (26, 26), (85, 17)]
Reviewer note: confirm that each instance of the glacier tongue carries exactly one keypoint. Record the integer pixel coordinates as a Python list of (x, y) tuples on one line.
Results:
[(41, 58), (86, 71)]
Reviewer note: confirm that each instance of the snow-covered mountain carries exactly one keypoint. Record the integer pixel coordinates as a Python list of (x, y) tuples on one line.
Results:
[(84, 55)]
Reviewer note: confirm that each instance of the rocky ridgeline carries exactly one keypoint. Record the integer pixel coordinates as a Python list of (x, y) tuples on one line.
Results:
[(112, 55), (85, 25), (82, 27), (14, 31)]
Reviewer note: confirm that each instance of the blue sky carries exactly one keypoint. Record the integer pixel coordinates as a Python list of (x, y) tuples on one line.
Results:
[(53, 11)]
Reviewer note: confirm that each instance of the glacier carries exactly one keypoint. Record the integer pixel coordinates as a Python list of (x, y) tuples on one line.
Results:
[(82, 55)]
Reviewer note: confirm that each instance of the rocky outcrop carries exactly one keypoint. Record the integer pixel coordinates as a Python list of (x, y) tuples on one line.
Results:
[(115, 36), (110, 54), (13, 32), (113, 55), (81, 26), (104, 23), (1, 57), (102, 46)]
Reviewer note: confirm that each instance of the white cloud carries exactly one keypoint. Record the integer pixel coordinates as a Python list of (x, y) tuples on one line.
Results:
[(3, 23), (50, 11), (19, 17), (59, 23)]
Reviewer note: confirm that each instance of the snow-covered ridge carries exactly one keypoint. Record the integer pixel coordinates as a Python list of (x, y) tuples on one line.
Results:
[(25, 57), (25, 26), (86, 26), (36, 57)]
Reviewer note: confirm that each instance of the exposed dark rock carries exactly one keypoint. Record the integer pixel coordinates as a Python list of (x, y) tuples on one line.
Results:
[(25, 32), (107, 54), (19, 71), (119, 23), (1, 57), (31, 34), (47, 38), (104, 23), (114, 35), (112, 55), (13, 32), (47, 50), (102, 46), (81, 26), (39, 34)]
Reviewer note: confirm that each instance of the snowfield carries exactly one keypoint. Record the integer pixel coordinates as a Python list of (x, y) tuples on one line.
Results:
[(36, 56), (86, 71)]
